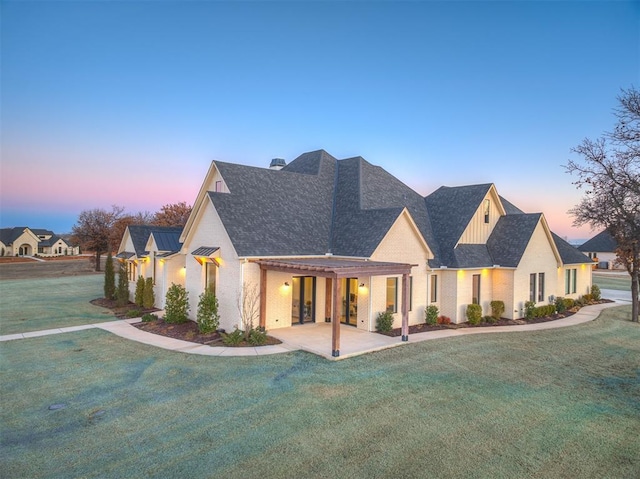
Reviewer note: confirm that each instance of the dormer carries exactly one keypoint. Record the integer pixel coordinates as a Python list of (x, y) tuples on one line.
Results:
[(484, 219)]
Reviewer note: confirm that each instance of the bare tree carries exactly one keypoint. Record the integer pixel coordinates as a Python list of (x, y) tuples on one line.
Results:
[(120, 225), (249, 307), (609, 171), (175, 214), (93, 230)]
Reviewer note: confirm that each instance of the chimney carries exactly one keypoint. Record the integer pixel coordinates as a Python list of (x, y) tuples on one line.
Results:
[(277, 164)]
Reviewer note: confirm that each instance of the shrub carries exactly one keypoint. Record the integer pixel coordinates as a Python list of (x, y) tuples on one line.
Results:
[(489, 319), (595, 292), (109, 278), (497, 308), (207, 317), (431, 314), (176, 305), (148, 317), (569, 303), (561, 305), (122, 290), (138, 295), (474, 314), (257, 337), (233, 339), (384, 322), (148, 297), (133, 313), (444, 320), (529, 310)]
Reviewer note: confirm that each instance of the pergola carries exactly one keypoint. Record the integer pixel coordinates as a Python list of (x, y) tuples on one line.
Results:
[(334, 270)]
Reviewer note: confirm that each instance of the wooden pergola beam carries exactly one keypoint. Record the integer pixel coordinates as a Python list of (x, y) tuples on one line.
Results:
[(335, 318)]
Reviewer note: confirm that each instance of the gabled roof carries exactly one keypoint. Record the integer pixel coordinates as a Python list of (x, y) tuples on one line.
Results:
[(51, 241), (42, 232), (568, 253), (510, 238), (9, 235), (450, 210), (603, 242), (140, 236), (167, 239)]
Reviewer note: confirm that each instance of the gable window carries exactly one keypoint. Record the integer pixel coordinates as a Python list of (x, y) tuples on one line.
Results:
[(540, 287), (434, 288), (218, 187), (392, 295), (211, 269), (532, 287), (476, 289), (487, 207)]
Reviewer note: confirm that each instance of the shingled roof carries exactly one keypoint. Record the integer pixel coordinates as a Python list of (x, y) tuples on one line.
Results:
[(317, 205), (603, 242)]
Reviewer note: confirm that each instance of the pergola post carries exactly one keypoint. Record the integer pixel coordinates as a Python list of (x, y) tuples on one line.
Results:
[(405, 307), (263, 298), (335, 318)]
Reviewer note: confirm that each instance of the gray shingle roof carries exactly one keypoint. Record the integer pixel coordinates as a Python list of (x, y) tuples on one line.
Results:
[(603, 242), (510, 238), (140, 235), (450, 210), (568, 253)]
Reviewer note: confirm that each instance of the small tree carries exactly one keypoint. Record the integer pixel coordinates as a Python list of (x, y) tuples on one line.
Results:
[(384, 322), (249, 307), (148, 297), (176, 304), (109, 278), (93, 230), (139, 294), (207, 316), (122, 291)]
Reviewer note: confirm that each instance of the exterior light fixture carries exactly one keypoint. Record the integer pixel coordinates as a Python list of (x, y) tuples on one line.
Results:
[(286, 284), (362, 285)]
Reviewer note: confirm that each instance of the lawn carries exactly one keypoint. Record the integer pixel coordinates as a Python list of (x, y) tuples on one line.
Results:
[(561, 403), (609, 281), (34, 304)]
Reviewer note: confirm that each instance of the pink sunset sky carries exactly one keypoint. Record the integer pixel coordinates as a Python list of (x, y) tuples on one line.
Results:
[(127, 103)]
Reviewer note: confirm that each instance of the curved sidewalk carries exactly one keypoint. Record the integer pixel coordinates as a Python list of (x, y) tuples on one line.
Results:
[(353, 343)]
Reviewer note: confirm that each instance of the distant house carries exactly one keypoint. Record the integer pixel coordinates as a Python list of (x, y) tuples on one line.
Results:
[(602, 250), (25, 241), (340, 241), (153, 252)]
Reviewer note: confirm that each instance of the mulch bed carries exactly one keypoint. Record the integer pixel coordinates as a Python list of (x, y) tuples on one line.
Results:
[(187, 331), (423, 327)]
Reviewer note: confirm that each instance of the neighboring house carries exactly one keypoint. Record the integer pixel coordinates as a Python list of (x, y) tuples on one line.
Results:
[(153, 251), (602, 250), (24, 241), (341, 241)]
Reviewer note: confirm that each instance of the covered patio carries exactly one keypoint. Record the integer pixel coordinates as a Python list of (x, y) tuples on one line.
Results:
[(334, 270)]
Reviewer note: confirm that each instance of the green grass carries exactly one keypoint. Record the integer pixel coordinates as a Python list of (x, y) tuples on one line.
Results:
[(620, 283), (561, 403), (35, 304)]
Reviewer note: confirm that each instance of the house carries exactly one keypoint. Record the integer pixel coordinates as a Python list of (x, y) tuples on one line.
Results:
[(153, 251), (24, 241), (602, 250), (340, 241)]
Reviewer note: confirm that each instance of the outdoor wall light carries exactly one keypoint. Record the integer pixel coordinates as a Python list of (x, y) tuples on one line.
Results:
[(362, 285), (286, 284)]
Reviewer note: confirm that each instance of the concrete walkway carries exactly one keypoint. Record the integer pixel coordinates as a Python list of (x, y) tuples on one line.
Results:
[(314, 338)]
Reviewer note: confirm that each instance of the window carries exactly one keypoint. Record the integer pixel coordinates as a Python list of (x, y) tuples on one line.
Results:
[(392, 295), (532, 287), (540, 287), (487, 207), (410, 293), (574, 280), (218, 187), (211, 268), (570, 281), (131, 269), (476, 289), (434, 288)]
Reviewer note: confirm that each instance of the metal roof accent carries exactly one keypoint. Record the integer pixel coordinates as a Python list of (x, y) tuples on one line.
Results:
[(205, 250)]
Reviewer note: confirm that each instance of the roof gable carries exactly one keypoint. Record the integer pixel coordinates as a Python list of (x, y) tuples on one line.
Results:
[(510, 238), (603, 242)]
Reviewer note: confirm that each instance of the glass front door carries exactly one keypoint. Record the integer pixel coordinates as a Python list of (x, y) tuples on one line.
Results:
[(349, 310), (303, 300)]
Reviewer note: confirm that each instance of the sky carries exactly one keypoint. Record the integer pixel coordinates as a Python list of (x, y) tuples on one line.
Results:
[(127, 102)]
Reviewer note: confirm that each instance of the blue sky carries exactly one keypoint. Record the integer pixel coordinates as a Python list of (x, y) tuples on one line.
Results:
[(128, 102)]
